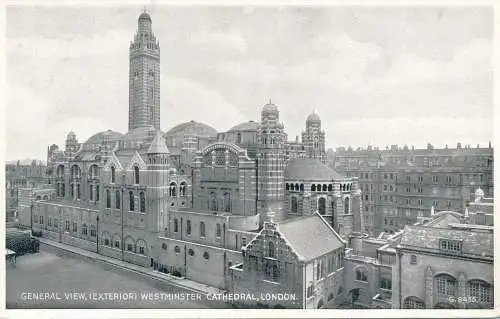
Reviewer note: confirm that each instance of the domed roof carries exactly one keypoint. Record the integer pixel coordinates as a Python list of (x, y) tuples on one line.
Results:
[(270, 107), (71, 135), (140, 134), (103, 136), (191, 127), (246, 126), (145, 16), (310, 169), (313, 117)]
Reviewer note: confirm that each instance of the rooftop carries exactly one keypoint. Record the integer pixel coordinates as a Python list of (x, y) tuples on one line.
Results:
[(474, 243), (321, 238), (310, 170), (191, 128)]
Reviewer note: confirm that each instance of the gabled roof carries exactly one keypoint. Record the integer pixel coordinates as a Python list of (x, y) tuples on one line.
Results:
[(158, 145), (310, 236)]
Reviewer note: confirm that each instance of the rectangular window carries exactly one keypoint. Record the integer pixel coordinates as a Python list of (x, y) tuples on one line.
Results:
[(450, 245), (117, 244), (420, 178), (413, 259), (129, 247), (243, 241), (435, 179)]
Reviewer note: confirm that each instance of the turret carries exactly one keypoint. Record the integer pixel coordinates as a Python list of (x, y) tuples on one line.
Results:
[(157, 183)]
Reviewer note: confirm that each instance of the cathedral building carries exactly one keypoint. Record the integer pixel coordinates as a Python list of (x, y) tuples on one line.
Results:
[(201, 204)]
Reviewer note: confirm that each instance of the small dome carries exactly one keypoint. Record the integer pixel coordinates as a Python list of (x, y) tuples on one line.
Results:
[(145, 16), (309, 169), (71, 135), (313, 117), (270, 107), (246, 126)]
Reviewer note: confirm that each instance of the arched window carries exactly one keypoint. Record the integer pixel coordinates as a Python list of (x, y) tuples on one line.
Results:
[(313, 188), (446, 285), (60, 171), (330, 187), (287, 186), (182, 189), (91, 192), (294, 205), (75, 172), (202, 229), (136, 174), (176, 225), (296, 186), (324, 187), (227, 202), (131, 201), (346, 205), (108, 199), (117, 200), (413, 303), (94, 172), (361, 275), (322, 205), (172, 189), (217, 230), (213, 202), (113, 174), (271, 249), (275, 272), (142, 199), (480, 290), (301, 187), (188, 227)]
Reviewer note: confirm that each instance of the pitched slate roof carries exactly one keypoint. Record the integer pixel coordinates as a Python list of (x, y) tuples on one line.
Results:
[(310, 236), (475, 243)]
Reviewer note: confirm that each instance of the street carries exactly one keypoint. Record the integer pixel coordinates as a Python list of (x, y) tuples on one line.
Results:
[(54, 279)]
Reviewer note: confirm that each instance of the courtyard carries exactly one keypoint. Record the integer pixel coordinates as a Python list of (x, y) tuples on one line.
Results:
[(50, 279)]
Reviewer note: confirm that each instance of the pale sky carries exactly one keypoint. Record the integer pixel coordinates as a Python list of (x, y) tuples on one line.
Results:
[(376, 76)]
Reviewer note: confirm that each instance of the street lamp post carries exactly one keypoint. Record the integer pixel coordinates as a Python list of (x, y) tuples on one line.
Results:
[(97, 234), (31, 218), (121, 209)]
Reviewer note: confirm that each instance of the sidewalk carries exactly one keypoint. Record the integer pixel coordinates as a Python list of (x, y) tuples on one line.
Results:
[(191, 286)]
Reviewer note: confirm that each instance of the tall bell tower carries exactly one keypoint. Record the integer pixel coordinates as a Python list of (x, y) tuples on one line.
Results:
[(271, 138), (144, 77)]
